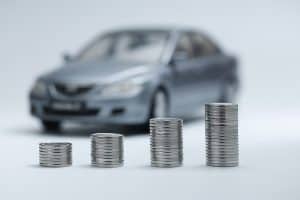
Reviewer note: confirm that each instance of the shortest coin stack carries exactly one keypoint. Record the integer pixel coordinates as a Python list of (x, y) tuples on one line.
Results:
[(55, 154), (107, 150)]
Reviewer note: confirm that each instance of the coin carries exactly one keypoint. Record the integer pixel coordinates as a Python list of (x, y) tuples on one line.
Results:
[(55, 154), (107, 150), (221, 130), (166, 142)]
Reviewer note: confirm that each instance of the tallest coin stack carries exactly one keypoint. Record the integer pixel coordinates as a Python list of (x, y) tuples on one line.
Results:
[(221, 131)]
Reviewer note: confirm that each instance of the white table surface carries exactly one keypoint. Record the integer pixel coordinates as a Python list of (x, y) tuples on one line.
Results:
[(269, 165)]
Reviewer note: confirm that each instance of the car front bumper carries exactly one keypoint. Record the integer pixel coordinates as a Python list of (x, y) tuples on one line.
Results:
[(116, 111)]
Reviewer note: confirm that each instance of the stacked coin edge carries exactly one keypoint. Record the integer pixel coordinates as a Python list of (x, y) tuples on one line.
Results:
[(58, 154), (107, 150), (221, 132), (166, 142)]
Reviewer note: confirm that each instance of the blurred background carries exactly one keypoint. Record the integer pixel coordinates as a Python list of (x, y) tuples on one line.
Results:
[(263, 34)]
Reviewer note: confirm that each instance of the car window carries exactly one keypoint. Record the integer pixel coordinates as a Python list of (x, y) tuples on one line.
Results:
[(137, 46), (184, 46), (202, 46)]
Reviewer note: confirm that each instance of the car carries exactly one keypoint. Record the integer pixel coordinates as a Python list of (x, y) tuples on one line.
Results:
[(128, 76)]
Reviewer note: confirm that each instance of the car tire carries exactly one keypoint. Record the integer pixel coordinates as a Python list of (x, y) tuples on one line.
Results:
[(228, 93), (158, 97), (159, 105), (51, 125)]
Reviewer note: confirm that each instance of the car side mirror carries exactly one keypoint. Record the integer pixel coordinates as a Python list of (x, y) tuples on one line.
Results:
[(179, 57), (67, 57)]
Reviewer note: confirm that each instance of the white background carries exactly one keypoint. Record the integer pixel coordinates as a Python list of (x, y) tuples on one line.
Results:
[(265, 35)]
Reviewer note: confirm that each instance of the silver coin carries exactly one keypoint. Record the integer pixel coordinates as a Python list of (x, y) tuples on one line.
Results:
[(166, 142), (221, 133), (55, 154), (107, 150)]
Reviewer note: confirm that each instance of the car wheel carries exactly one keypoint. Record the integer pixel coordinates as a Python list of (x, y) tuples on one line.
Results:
[(159, 105), (228, 93), (51, 125)]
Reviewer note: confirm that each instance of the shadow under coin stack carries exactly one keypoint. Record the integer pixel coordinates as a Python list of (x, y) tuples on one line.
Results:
[(107, 150), (55, 154), (166, 142), (221, 130)]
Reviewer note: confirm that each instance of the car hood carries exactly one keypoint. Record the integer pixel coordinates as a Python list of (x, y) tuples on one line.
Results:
[(95, 72)]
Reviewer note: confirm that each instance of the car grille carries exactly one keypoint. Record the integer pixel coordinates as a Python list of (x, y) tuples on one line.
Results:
[(72, 90), (87, 112)]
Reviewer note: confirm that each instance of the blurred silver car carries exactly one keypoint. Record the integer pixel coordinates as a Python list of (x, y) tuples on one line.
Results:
[(129, 76)]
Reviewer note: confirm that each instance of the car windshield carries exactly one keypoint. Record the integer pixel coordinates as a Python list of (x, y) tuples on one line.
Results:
[(139, 46)]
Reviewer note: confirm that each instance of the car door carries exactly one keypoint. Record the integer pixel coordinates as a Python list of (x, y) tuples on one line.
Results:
[(184, 79), (208, 61)]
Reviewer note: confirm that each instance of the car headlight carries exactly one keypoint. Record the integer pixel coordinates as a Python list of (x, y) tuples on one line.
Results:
[(39, 89), (122, 89)]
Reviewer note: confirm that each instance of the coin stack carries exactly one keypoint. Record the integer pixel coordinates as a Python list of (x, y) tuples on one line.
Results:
[(166, 142), (221, 130), (55, 154), (107, 150)]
